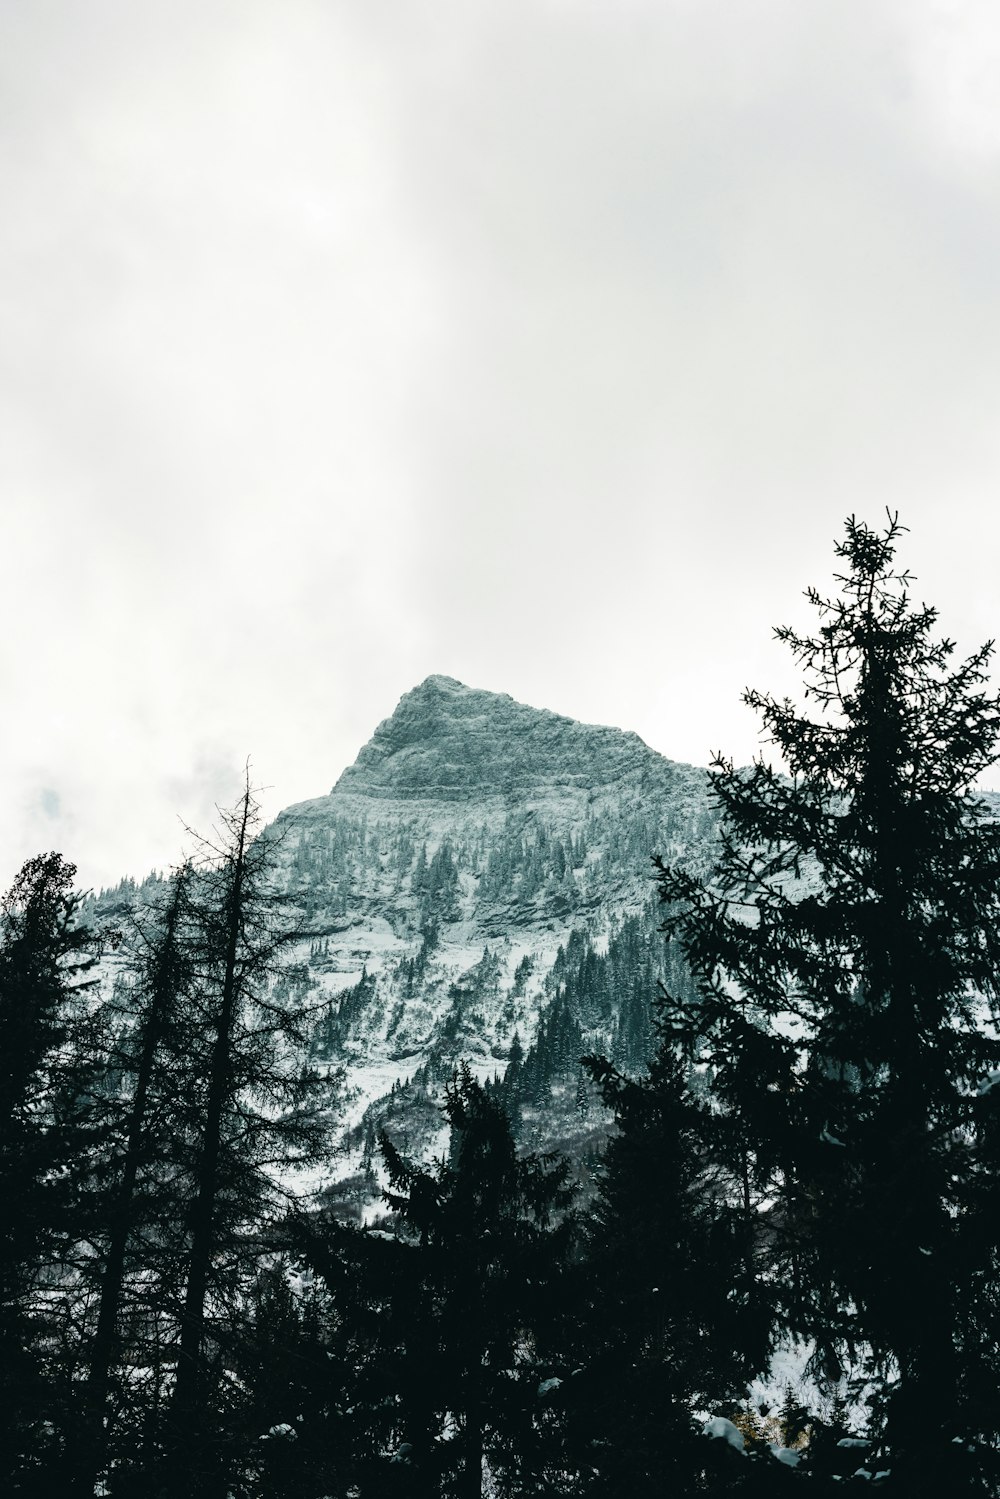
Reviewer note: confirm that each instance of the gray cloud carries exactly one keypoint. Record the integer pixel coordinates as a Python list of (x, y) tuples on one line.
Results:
[(545, 345)]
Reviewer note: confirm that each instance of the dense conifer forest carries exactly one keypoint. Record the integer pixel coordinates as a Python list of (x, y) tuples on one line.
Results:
[(799, 1147)]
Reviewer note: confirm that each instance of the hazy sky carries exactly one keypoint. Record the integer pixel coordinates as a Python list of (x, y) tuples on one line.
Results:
[(542, 343)]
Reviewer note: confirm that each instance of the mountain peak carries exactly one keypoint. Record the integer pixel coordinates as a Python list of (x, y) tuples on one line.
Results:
[(438, 683), (450, 741)]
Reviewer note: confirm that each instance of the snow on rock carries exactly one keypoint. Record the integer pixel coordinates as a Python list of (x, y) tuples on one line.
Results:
[(786, 1455), (284, 1430), (441, 876), (725, 1431), (547, 1385)]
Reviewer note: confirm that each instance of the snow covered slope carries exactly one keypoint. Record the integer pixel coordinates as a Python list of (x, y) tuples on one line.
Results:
[(461, 880)]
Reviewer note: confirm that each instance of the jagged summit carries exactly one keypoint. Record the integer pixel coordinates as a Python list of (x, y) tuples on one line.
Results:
[(447, 740)]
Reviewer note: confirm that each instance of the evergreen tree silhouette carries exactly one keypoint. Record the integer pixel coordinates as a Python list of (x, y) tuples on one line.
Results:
[(674, 1316), (46, 954), (492, 1231), (442, 1330), (259, 1110), (847, 948)]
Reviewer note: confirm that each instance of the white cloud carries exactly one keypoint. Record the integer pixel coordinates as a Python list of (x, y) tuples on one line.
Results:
[(546, 345)]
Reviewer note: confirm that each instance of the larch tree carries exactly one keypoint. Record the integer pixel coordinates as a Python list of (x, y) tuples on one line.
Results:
[(143, 1111), (261, 1115)]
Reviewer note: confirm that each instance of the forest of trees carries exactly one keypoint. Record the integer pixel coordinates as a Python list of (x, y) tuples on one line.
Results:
[(804, 1152)]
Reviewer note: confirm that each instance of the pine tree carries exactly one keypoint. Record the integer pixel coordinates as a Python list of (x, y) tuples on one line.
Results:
[(446, 1325), (488, 1223), (675, 1317), (847, 948), (45, 958), (292, 1430)]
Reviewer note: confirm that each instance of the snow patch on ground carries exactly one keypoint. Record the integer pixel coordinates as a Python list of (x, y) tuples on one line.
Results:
[(724, 1430)]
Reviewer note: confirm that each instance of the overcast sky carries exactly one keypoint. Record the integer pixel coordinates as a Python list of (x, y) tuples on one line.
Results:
[(542, 343)]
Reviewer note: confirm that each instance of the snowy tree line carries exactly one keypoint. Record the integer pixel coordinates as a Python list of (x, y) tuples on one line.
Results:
[(523, 863)]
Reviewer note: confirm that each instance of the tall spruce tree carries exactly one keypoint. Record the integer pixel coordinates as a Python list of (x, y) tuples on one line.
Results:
[(847, 948)]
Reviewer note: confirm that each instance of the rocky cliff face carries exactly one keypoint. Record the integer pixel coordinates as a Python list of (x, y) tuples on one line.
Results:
[(453, 743), (477, 886)]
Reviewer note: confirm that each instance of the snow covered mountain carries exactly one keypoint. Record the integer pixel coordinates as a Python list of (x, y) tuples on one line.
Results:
[(477, 886)]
